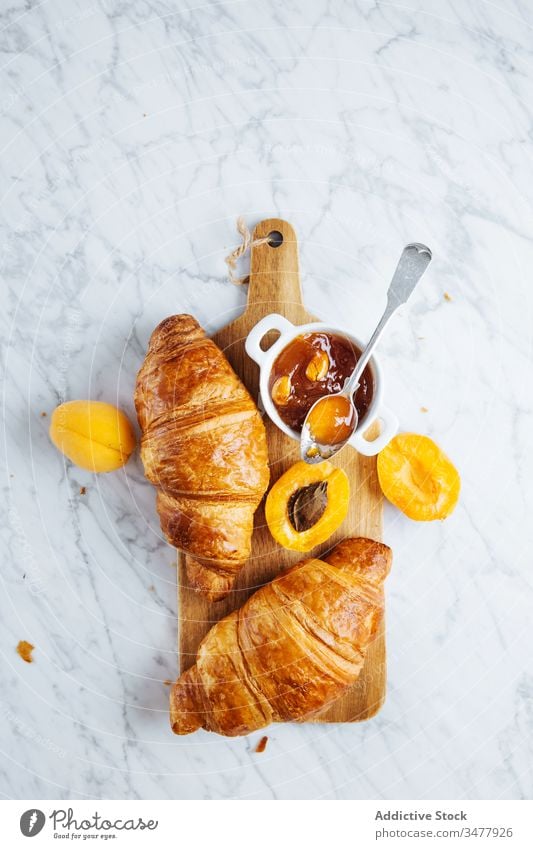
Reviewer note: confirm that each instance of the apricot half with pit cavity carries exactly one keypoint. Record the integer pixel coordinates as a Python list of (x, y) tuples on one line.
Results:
[(417, 477), (96, 436), (307, 505)]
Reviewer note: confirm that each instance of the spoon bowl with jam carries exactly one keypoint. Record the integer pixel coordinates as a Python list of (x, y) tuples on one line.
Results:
[(328, 426)]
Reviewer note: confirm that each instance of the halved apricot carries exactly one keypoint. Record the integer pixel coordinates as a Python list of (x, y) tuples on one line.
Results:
[(307, 504), (418, 478)]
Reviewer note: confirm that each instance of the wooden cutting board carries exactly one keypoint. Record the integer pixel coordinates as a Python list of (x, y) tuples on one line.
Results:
[(275, 287)]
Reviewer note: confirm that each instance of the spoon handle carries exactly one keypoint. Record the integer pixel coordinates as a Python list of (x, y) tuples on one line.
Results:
[(413, 262)]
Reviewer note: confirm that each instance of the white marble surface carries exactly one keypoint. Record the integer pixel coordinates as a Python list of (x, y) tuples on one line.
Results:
[(133, 135)]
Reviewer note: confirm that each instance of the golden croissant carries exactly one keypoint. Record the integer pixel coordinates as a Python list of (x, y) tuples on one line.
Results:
[(204, 448), (293, 648)]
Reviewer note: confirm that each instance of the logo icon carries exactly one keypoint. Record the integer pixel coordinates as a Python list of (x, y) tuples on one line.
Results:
[(32, 822)]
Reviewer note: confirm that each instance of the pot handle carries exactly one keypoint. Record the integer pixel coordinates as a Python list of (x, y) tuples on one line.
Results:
[(389, 428), (270, 322)]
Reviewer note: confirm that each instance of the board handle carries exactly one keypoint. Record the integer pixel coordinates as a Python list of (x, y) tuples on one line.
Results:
[(274, 269)]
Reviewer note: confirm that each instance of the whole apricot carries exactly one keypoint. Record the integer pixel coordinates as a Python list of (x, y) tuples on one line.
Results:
[(96, 436)]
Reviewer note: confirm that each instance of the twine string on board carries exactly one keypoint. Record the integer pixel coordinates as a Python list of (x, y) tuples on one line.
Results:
[(240, 250)]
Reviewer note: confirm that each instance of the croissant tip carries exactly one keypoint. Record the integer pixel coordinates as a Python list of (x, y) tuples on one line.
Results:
[(184, 718), (213, 585), (214, 597)]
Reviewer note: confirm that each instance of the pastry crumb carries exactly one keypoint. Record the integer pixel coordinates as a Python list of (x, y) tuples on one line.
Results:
[(447, 296), (261, 746), (151, 588), (167, 682), (24, 649), (83, 490), (44, 415), (424, 410)]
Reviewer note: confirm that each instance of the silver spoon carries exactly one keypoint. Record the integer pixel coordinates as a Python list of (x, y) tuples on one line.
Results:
[(413, 262)]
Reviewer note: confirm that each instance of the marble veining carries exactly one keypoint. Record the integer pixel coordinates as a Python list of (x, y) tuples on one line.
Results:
[(133, 135)]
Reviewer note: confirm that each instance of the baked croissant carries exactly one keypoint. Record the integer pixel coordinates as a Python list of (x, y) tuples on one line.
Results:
[(293, 648), (204, 448)]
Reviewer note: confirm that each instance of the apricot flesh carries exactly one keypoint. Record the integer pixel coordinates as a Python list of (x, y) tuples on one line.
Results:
[(94, 435), (298, 477), (417, 477)]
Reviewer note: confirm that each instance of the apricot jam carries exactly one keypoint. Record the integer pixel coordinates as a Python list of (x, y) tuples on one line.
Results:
[(311, 366)]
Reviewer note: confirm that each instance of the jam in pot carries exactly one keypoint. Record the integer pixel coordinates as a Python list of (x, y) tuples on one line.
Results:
[(311, 366)]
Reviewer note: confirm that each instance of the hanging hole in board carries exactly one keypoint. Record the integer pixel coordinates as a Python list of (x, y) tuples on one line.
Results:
[(275, 239)]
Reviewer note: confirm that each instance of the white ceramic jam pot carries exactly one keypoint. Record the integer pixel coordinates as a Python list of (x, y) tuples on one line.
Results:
[(377, 411)]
